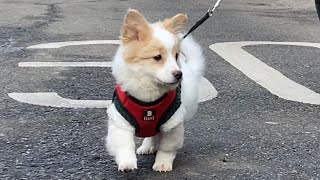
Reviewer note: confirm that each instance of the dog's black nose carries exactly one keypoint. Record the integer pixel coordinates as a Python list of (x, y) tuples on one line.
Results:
[(177, 74)]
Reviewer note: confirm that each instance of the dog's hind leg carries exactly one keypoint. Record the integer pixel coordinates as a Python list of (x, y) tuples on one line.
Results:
[(148, 146), (169, 143)]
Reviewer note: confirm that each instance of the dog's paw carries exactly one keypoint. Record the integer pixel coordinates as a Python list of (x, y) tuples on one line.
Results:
[(164, 161), (127, 167), (127, 164), (162, 166), (143, 149)]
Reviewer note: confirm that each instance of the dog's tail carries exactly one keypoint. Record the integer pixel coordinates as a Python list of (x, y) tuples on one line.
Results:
[(192, 65), (193, 54)]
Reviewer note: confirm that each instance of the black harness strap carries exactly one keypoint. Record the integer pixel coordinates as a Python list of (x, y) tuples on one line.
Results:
[(172, 109), (124, 112)]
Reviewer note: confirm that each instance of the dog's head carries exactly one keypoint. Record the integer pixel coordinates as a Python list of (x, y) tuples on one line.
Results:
[(153, 49)]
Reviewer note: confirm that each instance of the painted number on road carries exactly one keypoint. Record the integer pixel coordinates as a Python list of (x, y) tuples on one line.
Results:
[(52, 99), (266, 76)]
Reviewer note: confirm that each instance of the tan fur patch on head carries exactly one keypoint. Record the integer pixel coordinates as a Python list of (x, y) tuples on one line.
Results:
[(145, 51), (175, 24), (135, 27), (140, 45)]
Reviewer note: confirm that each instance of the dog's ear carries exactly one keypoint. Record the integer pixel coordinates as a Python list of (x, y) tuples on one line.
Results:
[(135, 27), (176, 24)]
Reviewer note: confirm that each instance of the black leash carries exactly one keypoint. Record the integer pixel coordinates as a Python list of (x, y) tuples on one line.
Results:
[(318, 7), (204, 18)]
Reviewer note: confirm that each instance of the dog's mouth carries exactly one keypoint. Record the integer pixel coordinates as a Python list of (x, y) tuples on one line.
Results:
[(174, 83), (169, 84)]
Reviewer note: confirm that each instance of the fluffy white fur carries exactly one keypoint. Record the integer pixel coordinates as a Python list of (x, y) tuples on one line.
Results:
[(140, 82)]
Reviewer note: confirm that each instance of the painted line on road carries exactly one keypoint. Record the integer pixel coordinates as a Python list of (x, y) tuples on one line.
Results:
[(272, 123), (65, 64), (52, 99), (56, 45), (207, 90), (261, 73)]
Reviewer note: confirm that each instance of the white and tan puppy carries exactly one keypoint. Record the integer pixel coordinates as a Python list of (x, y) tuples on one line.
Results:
[(151, 61)]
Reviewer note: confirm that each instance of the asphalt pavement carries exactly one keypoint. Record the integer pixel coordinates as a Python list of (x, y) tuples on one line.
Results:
[(53, 117)]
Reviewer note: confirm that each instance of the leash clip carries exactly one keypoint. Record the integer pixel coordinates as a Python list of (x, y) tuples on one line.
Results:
[(210, 11), (204, 18)]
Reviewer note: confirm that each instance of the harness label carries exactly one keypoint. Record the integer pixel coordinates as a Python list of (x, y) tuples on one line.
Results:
[(149, 115)]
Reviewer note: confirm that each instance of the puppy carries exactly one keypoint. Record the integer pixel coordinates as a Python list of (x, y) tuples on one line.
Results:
[(158, 77)]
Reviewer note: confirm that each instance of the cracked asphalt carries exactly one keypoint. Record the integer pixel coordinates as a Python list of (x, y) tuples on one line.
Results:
[(245, 133)]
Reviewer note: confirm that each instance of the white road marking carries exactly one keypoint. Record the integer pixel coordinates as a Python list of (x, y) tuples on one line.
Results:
[(272, 123), (52, 99), (55, 45), (65, 64), (207, 91), (266, 76)]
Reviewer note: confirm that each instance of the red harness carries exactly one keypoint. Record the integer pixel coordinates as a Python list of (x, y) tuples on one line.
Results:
[(146, 117)]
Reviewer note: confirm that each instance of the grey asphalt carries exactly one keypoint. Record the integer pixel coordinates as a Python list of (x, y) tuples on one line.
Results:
[(229, 137)]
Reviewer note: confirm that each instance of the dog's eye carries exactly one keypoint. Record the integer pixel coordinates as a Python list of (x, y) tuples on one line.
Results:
[(177, 55), (157, 58)]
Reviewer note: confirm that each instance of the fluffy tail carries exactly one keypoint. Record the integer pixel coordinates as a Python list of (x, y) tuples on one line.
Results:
[(192, 67), (193, 54)]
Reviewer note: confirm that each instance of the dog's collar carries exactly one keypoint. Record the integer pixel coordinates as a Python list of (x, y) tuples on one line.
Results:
[(119, 90), (142, 103)]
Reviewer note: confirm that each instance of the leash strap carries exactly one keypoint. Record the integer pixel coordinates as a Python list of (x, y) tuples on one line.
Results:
[(203, 19)]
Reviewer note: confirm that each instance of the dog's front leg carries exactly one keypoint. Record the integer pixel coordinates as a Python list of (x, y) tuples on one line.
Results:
[(169, 143), (120, 144)]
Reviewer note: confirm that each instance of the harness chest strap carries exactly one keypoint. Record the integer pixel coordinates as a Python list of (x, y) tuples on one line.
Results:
[(147, 118)]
